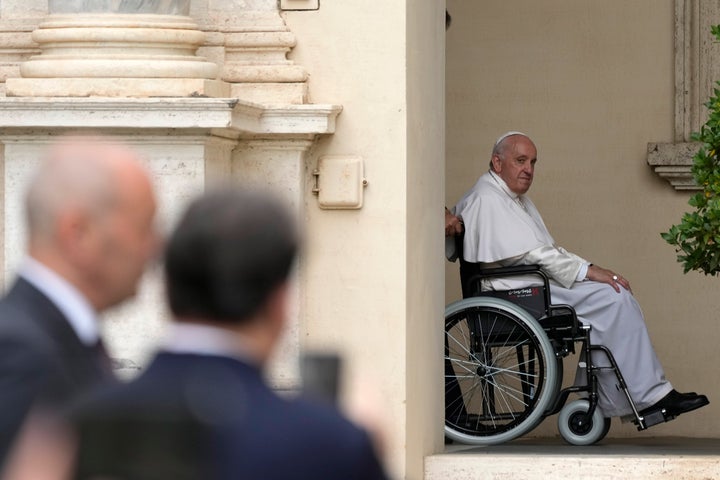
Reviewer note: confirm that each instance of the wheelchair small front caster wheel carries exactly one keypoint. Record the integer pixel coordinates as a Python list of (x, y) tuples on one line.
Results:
[(576, 429)]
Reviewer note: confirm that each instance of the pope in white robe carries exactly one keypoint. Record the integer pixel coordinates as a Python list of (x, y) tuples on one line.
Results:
[(503, 227)]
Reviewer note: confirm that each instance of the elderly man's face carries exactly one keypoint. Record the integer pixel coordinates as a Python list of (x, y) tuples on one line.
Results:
[(516, 164)]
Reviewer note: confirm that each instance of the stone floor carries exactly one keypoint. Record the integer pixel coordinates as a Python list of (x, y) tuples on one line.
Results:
[(647, 458)]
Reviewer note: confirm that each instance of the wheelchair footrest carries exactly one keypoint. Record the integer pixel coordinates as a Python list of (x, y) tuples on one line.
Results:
[(653, 418)]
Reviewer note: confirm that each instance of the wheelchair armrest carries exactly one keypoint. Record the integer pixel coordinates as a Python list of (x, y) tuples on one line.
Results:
[(477, 274), (509, 271)]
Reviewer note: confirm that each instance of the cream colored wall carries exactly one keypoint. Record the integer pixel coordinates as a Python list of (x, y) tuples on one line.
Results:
[(373, 289), (592, 83)]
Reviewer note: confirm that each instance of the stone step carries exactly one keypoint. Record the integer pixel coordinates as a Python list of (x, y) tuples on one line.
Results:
[(632, 458)]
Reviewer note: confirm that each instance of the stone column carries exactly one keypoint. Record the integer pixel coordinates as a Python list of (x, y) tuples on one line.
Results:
[(118, 48)]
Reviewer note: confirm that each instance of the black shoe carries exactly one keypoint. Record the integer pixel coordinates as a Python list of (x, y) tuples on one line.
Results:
[(676, 403)]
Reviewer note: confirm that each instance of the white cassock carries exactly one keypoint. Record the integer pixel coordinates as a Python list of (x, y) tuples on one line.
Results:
[(504, 229)]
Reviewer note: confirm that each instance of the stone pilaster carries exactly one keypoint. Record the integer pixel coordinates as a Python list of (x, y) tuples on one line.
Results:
[(697, 69), (18, 19), (278, 165), (256, 45), (257, 68), (17, 47)]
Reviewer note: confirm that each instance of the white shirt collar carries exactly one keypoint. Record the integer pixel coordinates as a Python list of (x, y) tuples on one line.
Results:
[(195, 338), (71, 303), (503, 186)]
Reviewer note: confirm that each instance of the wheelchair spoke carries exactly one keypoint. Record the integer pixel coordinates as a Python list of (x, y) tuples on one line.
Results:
[(514, 369), (465, 398), (455, 409), (505, 353), (505, 389), (508, 396), (504, 398), (469, 395), (464, 365), (463, 348)]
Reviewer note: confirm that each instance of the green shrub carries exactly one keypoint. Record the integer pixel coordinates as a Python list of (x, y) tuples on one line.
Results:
[(697, 237)]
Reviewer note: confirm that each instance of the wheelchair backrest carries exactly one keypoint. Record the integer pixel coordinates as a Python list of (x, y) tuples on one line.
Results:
[(533, 298)]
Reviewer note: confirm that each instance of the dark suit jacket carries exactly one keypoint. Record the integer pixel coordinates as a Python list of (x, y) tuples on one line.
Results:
[(212, 417), (42, 361)]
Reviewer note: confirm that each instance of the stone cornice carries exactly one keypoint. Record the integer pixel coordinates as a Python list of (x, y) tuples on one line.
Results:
[(287, 119), (673, 161), (229, 114)]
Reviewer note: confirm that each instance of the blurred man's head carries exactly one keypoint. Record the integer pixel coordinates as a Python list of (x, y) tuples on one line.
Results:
[(90, 216), (228, 261)]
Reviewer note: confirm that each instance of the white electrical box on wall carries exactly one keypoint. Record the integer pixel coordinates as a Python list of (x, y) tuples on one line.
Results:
[(340, 182)]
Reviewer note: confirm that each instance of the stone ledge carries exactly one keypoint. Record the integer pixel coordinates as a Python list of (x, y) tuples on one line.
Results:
[(289, 119), (637, 458), (672, 161), (228, 114), (115, 87)]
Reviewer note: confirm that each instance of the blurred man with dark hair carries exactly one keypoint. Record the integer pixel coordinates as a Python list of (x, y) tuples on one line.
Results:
[(202, 408)]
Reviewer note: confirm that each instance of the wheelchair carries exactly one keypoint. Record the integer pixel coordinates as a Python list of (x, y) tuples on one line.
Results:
[(504, 354)]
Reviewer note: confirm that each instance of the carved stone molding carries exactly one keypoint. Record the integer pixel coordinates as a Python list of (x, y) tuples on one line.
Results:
[(672, 161), (90, 48), (257, 67), (116, 55), (16, 46), (227, 117), (697, 69)]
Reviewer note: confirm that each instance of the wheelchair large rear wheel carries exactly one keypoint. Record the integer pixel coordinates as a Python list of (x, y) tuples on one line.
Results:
[(500, 371)]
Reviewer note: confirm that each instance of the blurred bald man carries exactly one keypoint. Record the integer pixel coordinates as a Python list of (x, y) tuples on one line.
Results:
[(90, 216)]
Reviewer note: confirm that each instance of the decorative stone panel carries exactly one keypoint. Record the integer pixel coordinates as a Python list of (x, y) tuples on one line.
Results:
[(189, 143)]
